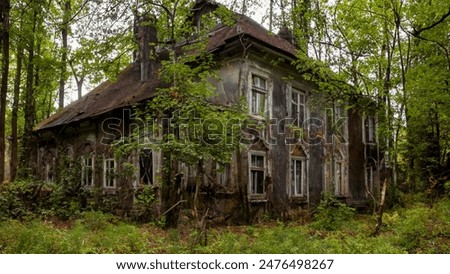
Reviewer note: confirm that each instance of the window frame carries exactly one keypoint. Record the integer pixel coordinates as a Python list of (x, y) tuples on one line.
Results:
[(106, 173), (252, 169), (84, 170), (369, 130), (299, 92), (340, 186), (223, 177), (49, 173), (152, 176), (259, 91), (303, 176)]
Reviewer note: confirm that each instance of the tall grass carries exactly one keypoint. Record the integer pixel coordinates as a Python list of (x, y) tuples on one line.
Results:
[(417, 229)]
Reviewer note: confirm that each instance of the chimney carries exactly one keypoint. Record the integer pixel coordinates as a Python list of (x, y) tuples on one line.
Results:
[(286, 34), (146, 38)]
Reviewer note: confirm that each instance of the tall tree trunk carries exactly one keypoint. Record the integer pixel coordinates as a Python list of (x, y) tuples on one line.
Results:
[(29, 108), (64, 34), (271, 16), (14, 117), (79, 79), (5, 7)]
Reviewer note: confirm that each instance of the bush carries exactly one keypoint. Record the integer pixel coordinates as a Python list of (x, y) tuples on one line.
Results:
[(30, 197), (332, 214)]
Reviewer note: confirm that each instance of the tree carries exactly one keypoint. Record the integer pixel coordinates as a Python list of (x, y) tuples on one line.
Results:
[(14, 156), (4, 13), (193, 130), (67, 7), (427, 132)]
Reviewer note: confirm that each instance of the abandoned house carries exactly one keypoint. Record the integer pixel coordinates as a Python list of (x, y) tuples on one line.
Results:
[(279, 174)]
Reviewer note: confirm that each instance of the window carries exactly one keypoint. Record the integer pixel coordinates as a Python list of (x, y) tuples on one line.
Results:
[(298, 107), (298, 177), (49, 172), (339, 178), (257, 174), (87, 171), (258, 98), (369, 130), (146, 167), (223, 171), (49, 166), (109, 179)]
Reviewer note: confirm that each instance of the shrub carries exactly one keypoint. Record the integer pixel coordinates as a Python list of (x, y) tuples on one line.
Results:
[(332, 214)]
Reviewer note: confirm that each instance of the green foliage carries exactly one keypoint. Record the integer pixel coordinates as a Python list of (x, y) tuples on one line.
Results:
[(421, 229), (332, 214), (416, 229), (30, 197), (94, 232), (146, 196)]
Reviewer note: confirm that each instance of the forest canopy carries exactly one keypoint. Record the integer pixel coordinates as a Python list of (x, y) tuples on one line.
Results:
[(395, 52)]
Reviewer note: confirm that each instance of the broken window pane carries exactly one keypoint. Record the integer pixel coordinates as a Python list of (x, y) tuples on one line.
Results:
[(146, 166)]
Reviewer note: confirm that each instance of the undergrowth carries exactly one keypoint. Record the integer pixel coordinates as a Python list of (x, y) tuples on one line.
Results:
[(415, 229)]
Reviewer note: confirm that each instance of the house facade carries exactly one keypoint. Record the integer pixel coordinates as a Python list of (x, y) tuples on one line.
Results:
[(306, 144)]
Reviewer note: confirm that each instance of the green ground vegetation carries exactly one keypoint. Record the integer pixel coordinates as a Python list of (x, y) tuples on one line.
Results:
[(417, 227)]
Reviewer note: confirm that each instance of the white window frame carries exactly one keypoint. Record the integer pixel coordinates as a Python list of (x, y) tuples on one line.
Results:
[(107, 169), (251, 187), (298, 94), (259, 91), (85, 167), (293, 179)]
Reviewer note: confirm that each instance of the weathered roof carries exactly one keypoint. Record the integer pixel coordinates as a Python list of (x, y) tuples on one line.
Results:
[(247, 26), (128, 89)]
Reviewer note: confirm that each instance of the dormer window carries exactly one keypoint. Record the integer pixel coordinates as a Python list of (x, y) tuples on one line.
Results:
[(259, 95)]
